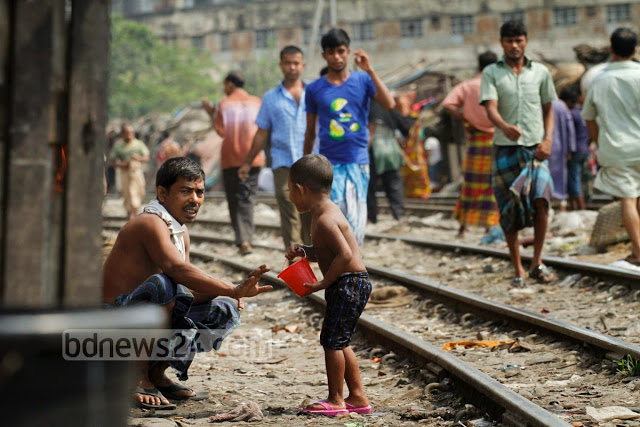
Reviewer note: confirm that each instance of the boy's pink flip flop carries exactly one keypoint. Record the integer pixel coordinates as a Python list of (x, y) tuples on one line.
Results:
[(361, 410), (328, 410)]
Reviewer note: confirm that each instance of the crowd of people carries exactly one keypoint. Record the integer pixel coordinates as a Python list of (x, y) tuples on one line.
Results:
[(525, 147)]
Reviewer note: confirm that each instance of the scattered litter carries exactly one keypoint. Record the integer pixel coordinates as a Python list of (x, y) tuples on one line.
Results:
[(292, 328), (270, 362), (504, 368), (389, 296), (570, 280), (621, 263), (495, 235), (478, 344), (249, 412), (609, 413)]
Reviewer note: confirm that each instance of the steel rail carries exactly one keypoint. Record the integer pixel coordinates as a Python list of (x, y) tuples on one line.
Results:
[(485, 387), (497, 309), (628, 276), (631, 276)]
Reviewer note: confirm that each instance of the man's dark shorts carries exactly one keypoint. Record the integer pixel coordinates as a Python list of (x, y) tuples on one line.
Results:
[(346, 299)]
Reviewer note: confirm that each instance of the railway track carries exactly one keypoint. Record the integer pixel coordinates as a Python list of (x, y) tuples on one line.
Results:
[(437, 202), (438, 312), (629, 280)]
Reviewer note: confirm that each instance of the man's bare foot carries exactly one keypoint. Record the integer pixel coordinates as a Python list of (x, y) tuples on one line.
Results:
[(160, 380), (147, 395)]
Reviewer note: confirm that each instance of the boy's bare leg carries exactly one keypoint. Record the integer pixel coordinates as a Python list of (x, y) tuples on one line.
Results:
[(357, 396), (514, 251), (334, 362)]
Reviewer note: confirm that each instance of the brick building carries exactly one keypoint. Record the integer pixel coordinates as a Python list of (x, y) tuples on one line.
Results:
[(445, 32)]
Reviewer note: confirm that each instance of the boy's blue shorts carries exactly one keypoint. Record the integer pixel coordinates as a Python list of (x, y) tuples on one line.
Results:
[(346, 299)]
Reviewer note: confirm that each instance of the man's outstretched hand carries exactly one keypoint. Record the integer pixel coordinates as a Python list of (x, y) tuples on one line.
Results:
[(250, 287)]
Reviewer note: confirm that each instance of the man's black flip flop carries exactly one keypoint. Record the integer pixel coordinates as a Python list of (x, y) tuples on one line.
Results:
[(170, 393)]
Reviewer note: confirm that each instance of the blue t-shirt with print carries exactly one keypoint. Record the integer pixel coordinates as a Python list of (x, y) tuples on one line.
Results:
[(343, 113)]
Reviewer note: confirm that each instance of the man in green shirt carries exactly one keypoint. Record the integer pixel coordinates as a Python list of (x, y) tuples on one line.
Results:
[(517, 94), (128, 155), (614, 99)]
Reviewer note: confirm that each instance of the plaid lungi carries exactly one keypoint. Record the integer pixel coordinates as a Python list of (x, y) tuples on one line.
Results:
[(213, 320), (515, 164), (477, 204)]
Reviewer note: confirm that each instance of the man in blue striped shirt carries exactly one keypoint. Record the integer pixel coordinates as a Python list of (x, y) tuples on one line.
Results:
[(282, 117)]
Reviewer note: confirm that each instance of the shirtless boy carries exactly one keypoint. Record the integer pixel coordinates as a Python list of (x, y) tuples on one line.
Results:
[(345, 280), (149, 263)]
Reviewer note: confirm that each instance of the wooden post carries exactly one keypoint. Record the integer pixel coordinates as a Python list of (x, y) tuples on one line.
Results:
[(5, 33), (84, 192), (53, 100), (28, 274)]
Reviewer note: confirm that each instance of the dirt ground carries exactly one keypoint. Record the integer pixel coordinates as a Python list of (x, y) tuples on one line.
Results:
[(275, 360), (284, 370)]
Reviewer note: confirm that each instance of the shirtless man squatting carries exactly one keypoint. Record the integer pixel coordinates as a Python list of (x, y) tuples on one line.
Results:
[(149, 263)]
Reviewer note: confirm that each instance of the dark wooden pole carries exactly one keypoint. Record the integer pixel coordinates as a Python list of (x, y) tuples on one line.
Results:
[(54, 60), (84, 192)]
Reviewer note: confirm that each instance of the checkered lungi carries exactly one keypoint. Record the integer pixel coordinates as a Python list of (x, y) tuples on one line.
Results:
[(213, 320), (477, 204), (515, 164)]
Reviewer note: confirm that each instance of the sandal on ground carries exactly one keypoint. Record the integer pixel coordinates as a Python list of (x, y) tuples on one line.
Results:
[(170, 392), (358, 410), (542, 274), (518, 282), (155, 393), (328, 409)]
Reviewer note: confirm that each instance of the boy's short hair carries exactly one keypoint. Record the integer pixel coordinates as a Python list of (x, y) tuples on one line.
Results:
[(569, 94), (335, 37), (314, 171), (235, 77), (177, 167), (623, 42), (486, 58), (513, 29), (290, 50)]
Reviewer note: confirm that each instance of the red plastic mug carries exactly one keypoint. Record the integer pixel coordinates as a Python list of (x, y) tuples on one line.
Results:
[(297, 274)]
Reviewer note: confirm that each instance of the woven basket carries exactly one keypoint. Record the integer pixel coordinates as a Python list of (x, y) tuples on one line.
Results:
[(608, 228)]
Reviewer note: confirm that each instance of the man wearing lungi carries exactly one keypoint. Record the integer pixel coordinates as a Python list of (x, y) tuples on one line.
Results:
[(477, 205), (614, 99), (149, 263), (339, 103), (517, 94)]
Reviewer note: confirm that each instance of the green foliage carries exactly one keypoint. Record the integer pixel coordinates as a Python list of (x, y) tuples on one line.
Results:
[(147, 76), (628, 366), (261, 75)]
